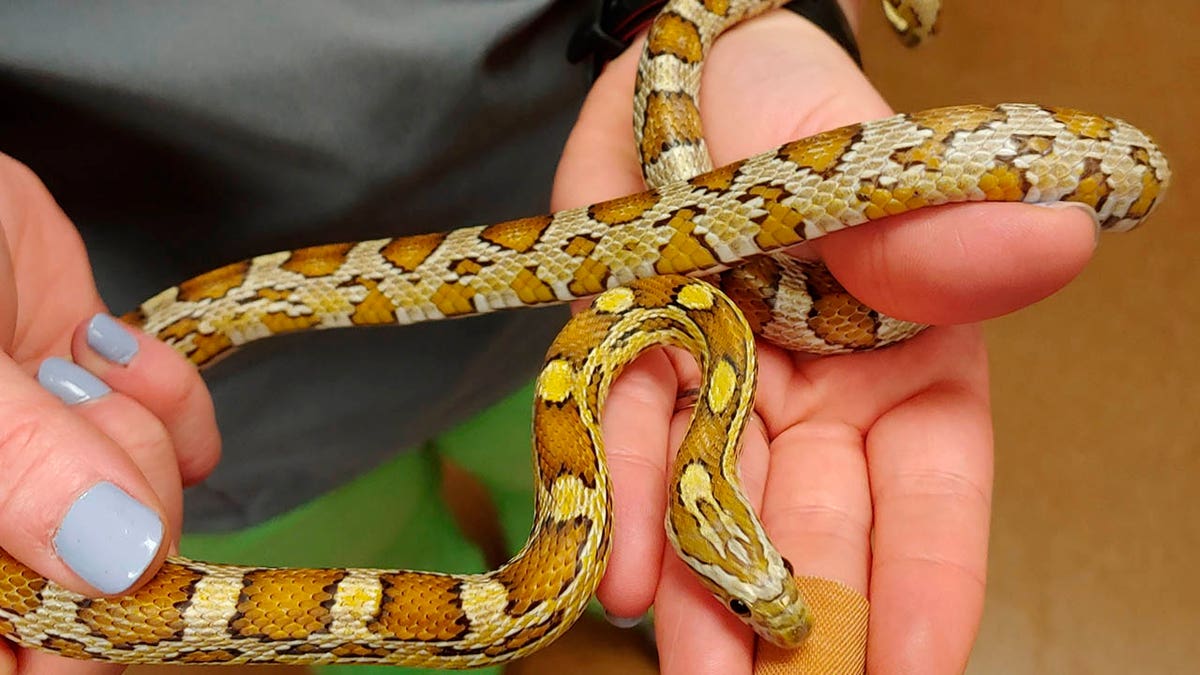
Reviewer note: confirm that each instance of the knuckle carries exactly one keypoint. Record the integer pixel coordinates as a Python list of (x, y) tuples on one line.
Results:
[(181, 392), (25, 423), (25, 441)]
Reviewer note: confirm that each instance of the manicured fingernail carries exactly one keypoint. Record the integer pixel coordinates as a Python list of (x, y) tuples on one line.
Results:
[(69, 382), (622, 621), (108, 538), (1079, 206), (111, 340)]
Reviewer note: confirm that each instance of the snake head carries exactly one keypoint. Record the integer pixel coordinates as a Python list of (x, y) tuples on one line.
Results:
[(783, 620)]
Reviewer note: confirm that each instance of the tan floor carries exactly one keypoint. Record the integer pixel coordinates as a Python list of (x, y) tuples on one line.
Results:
[(1097, 401)]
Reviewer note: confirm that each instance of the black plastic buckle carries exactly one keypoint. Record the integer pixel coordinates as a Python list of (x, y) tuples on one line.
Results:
[(610, 30), (606, 34)]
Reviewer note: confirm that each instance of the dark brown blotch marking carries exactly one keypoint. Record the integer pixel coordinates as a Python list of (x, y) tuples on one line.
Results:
[(672, 119), (407, 253), (752, 286), (68, 647), (673, 34), (1084, 124), (837, 317), (686, 251), (285, 604), (215, 284), (420, 606), (20, 587), (151, 615), (467, 267), (624, 210), (823, 152), (564, 443), (317, 261), (549, 565), (718, 180), (1093, 188), (517, 235)]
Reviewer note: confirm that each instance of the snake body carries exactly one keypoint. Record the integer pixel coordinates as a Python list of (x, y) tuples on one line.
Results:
[(638, 255)]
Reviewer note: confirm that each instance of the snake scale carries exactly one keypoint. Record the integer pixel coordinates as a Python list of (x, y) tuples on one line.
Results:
[(638, 255)]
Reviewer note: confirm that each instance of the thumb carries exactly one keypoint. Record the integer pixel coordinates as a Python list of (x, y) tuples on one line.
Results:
[(77, 509), (780, 78)]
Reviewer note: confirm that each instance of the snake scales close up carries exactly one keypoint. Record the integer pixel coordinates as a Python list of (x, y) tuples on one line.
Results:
[(631, 251)]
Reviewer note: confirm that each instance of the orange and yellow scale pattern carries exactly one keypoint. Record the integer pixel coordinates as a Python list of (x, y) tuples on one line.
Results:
[(693, 221)]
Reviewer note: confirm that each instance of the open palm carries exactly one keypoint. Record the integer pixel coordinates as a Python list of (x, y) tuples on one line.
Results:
[(871, 469)]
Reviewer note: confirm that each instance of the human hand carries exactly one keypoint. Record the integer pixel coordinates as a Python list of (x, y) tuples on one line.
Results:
[(871, 469), (91, 446)]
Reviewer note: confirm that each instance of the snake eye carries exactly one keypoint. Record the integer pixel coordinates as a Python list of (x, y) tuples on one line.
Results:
[(739, 607)]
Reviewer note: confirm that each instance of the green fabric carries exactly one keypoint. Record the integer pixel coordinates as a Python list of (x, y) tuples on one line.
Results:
[(394, 516)]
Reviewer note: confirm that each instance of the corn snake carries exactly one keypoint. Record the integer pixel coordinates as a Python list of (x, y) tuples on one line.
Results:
[(698, 226)]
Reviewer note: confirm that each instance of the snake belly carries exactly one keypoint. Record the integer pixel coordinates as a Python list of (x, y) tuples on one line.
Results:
[(626, 252)]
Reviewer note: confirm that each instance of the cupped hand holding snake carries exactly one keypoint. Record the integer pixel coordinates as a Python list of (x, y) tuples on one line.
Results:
[(898, 440)]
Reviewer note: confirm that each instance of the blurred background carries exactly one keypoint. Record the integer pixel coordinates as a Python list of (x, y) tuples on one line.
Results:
[(1096, 526), (1096, 521)]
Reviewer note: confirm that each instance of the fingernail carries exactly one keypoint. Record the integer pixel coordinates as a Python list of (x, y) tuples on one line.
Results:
[(69, 382), (108, 538), (622, 621), (111, 340), (1079, 206)]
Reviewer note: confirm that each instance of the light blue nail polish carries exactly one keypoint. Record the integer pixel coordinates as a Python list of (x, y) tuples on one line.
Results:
[(108, 538), (111, 340), (69, 382), (622, 621)]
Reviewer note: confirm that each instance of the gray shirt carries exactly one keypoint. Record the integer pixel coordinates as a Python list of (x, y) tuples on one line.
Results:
[(180, 136)]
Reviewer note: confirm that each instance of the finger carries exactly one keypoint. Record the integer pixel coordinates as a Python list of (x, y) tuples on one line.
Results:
[(77, 508), (1001, 257), (156, 376), (817, 504), (694, 633), (635, 427), (141, 436), (930, 460)]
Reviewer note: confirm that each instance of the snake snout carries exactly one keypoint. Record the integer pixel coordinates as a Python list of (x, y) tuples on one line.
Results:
[(785, 620)]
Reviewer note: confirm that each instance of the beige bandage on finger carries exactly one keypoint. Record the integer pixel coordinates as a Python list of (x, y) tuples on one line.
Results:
[(837, 644)]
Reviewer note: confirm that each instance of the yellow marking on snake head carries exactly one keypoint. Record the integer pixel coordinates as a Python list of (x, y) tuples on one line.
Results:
[(695, 296), (695, 483), (723, 383), (614, 301), (554, 384)]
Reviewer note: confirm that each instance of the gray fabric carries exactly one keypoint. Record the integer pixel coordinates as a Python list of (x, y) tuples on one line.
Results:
[(183, 135)]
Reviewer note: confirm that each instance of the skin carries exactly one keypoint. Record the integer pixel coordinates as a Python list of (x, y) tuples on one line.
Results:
[(871, 469)]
